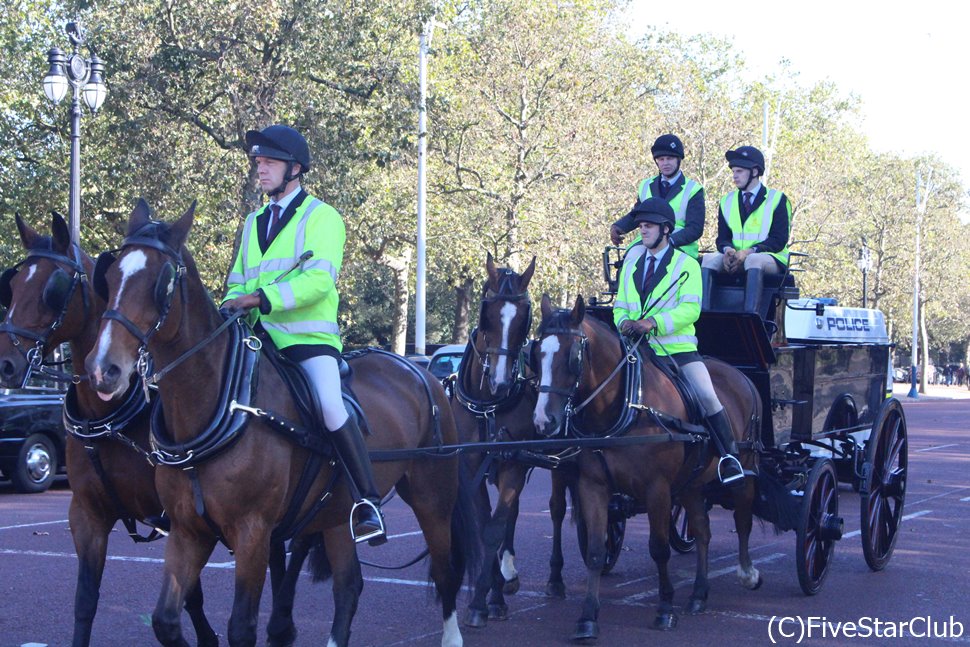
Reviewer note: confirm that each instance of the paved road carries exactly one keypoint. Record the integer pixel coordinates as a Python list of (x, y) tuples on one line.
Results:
[(926, 578)]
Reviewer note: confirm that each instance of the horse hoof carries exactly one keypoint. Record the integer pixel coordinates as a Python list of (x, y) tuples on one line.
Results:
[(476, 618), (695, 607), (285, 638), (586, 630), (556, 590), (511, 587), (758, 584), (665, 621), (498, 612)]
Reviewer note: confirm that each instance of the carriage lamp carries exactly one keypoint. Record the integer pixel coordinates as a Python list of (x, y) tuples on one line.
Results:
[(865, 264), (86, 77)]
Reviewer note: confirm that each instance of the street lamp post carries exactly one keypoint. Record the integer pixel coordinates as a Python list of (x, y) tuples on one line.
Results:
[(865, 264), (86, 77)]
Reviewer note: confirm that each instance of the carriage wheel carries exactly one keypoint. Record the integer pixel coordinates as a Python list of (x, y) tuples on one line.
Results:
[(615, 530), (680, 538), (819, 526), (883, 488)]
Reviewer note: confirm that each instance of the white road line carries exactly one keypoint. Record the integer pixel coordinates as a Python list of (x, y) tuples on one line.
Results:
[(906, 517), (937, 496), (965, 499), (929, 449), (31, 525), (637, 598)]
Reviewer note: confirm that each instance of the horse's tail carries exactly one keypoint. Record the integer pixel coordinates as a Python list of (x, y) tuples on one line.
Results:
[(466, 548), (774, 503), (319, 562)]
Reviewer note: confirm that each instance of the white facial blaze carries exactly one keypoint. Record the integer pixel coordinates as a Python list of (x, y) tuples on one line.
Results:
[(547, 349), (130, 265), (508, 314)]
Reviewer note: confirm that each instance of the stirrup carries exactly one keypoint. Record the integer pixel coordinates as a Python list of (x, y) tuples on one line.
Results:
[(733, 479), (159, 523), (374, 537)]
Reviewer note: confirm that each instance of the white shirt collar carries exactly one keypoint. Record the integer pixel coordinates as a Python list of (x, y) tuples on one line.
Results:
[(672, 180), (285, 201), (753, 190)]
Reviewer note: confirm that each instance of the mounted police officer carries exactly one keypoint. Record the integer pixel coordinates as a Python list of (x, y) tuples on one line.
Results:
[(660, 293), (753, 225), (686, 197), (298, 310)]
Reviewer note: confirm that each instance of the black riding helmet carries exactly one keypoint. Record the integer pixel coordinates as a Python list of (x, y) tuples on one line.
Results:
[(280, 143), (668, 145), (746, 157), (656, 210)]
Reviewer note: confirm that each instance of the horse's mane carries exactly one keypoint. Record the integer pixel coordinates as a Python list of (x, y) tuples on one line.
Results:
[(162, 232)]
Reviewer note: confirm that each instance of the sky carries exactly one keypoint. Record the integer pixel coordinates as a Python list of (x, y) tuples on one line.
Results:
[(908, 63)]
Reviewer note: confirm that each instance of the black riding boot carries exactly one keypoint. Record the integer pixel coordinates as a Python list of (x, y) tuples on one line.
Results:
[(366, 520), (752, 290), (707, 281), (729, 467)]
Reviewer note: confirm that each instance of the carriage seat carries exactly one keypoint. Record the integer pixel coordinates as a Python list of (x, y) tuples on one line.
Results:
[(727, 294)]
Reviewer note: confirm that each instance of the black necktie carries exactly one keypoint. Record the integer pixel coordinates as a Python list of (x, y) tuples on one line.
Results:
[(748, 200), (664, 187), (274, 221), (648, 273)]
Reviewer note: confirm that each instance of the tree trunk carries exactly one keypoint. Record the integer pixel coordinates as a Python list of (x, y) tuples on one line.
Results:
[(924, 361), (463, 300), (400, 266)]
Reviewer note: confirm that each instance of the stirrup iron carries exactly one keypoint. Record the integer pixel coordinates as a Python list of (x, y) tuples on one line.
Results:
[(375, 537), (731, 480)]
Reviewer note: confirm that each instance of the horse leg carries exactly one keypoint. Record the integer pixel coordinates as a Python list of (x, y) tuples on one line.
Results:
[(281, 630), (347, 582), (90, 533), (204, 633), (748, 576), (557, 512), (511, 482), (184, 560), (658, 511), (510, 574), (700, 526), (252, 558), (594, 507)]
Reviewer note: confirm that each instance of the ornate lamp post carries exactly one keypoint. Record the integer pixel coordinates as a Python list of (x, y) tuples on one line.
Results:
[(865, 264), (86, 77)]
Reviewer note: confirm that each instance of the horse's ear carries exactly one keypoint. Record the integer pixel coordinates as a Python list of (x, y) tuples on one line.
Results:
[(60, 232), (140, 216), (28, 235), (579, 311), (180, 230), (492, 272), (527, 275), (546, 306)]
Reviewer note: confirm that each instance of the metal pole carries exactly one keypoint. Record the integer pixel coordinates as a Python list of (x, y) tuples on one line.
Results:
[(865, 288), (74, 208), (913, 393), (419, 297)]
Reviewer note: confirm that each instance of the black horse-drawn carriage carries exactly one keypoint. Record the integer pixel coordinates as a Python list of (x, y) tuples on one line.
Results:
[(823, 374)]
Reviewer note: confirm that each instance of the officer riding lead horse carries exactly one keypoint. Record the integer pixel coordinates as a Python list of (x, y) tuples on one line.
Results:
[(660, 293)]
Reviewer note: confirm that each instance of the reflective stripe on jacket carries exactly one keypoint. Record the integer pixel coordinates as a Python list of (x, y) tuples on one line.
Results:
[(678, 203), (755, 229), (303, 304), (675, 312)]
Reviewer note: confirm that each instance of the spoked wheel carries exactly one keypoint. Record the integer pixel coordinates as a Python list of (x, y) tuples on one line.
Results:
[(883, 486), (615, 529), (819, 527), (680, 538)]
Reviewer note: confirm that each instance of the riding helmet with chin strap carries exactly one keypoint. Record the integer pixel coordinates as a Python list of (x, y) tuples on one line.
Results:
[(281, 143), (669, 145)]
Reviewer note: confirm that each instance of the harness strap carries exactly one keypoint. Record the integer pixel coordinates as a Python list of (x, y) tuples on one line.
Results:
[(200, 507), (120, 510)]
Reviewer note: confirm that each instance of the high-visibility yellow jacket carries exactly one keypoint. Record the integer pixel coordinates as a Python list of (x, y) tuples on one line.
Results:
[(755, 229)]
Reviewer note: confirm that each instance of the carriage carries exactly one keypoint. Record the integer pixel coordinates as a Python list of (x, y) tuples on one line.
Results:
[(824, 376)]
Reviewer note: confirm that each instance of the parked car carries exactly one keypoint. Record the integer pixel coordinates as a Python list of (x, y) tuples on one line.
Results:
[(32, 432), (446, 360), (420, 360)]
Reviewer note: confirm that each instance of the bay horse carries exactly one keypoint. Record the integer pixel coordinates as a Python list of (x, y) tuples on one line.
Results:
[(493, 401), (575, 358), (239, 488), (50, 301)]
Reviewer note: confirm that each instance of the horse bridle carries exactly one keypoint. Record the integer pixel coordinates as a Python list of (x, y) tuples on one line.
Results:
[(35, 355), (577, 354), (491, 296)]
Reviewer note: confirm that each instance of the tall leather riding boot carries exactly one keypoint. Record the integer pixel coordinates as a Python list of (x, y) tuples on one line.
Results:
[(707, 281), (752, 290), (729, 467), (366, 520)]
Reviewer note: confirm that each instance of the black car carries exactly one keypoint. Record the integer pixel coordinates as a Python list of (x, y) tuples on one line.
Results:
[(32, 433)]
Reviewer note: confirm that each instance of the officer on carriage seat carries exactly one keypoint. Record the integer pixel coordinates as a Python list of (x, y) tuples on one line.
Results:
[(657, 272), (686, 197), (752, 229), (299, 309)]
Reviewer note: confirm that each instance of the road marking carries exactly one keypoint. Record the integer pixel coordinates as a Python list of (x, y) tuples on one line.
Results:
[(905, 518), (929, 449), (31, 525), (937, 496), (965, 499), (637, 598)]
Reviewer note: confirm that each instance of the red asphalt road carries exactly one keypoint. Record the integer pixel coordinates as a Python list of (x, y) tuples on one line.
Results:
[(927, 577)]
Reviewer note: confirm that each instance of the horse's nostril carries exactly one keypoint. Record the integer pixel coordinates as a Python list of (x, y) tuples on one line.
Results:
[(6, 368), (112, 374)]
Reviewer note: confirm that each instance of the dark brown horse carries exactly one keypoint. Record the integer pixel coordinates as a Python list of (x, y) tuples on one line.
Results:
[(51, 301), (243, 488), (575, 357)]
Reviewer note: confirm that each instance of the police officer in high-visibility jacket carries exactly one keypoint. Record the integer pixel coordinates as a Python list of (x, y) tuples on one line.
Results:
[(660, 293), (685, 196), (752, 228), (298, 310)]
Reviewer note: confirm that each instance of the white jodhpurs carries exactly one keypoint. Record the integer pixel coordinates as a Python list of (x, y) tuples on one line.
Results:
[(324, 374), (696, 373)]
